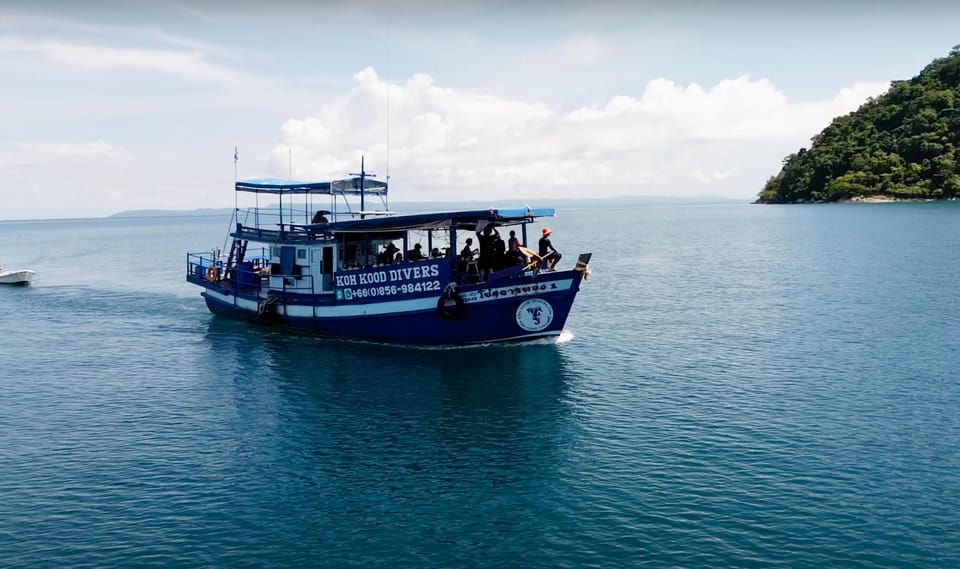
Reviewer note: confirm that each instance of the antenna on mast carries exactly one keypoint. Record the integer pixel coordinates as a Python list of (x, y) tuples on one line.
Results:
[(363, 176), (236, 157), (389, 89), (388, 118)]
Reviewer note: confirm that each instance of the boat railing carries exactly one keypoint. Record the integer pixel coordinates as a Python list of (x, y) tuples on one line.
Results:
[(204, 266), (296, 223), (211, 267), (250, 272), (291, 283), (268, 217), (298, 234)]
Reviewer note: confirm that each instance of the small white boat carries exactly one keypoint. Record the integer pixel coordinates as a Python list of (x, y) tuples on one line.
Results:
[(21, 277)]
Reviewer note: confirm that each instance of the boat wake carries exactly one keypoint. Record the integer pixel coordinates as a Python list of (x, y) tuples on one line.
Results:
[(564, 337)]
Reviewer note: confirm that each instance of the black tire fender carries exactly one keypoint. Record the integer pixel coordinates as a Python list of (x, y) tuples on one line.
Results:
[(450, 305)]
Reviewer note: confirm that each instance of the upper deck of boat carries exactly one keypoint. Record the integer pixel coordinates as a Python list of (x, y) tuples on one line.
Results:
[(372, 223), (269, 228)]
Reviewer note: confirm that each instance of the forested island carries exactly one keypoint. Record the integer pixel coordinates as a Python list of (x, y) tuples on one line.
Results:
[(902, 145)]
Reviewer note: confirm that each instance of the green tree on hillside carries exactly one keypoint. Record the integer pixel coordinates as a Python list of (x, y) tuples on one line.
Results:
[(903, 144)]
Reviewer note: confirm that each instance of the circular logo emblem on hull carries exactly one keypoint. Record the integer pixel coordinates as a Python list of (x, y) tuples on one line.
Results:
[(534, 314)]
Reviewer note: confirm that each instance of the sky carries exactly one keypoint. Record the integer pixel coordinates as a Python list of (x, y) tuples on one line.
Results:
[(108, 106)]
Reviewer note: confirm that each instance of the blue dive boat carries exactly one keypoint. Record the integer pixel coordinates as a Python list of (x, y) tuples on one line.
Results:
[(365, 275)]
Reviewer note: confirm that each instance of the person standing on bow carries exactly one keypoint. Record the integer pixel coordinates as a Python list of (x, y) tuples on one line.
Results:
[(547, 251)]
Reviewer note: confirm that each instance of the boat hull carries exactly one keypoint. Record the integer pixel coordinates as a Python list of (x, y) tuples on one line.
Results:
[(23, 277), (495, 313)]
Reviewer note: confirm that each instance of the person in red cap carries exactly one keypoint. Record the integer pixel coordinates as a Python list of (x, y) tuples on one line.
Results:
[(546, 248)]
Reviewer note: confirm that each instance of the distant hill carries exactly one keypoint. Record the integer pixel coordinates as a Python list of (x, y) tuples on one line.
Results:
[(171, 212), (560, 203), (629, 201), (905, 144)]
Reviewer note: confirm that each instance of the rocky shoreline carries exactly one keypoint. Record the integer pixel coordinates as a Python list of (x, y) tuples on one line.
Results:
[(862, 199), (891, 199)]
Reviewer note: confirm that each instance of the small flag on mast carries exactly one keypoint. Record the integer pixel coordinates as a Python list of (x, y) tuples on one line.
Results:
[(236, 154)]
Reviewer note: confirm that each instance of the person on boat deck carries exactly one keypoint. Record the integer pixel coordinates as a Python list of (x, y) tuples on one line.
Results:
[(513, 241), (487, 236), (514, 256), (319, 217), (499, 252), (415, 254), (466, 254), (389, 251), (546, 248)]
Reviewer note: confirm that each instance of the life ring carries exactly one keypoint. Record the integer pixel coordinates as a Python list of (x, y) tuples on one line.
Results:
[(213, 274), (450, 305)]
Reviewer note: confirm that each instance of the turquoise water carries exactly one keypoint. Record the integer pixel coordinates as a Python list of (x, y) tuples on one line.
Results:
[(744, 386)]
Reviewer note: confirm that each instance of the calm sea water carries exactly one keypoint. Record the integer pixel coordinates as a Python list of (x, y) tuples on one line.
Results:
[(745, 386)]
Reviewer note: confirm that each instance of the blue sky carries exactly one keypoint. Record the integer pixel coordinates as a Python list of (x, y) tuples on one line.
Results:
[(121, 105)]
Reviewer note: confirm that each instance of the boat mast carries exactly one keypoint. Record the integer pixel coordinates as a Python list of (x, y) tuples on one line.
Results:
[(363, 176)]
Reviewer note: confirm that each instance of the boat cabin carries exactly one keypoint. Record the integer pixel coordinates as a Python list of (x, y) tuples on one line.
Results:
[(296, 245)]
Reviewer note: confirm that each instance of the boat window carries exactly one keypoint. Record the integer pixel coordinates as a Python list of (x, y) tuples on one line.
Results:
[(326, 274), (327, 260), (301, 253), (435, 243), (355, 252), (350, 253)]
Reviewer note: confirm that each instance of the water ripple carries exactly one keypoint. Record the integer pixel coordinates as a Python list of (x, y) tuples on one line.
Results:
[(739, 387)]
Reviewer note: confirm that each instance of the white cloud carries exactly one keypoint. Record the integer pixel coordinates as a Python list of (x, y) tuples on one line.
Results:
[(39, 154), (452, 144), (710, 177), (585, 48), (175, 62), (24, 20), (734, 109), (66, 179), (95, 45), (99, 178)]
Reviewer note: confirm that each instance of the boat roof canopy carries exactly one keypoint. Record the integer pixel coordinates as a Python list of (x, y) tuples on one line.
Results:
[(437, 220), (350, 186)]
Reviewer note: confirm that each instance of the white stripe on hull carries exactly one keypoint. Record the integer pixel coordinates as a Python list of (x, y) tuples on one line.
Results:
[(394, 306), (515, 291), (341, 311)]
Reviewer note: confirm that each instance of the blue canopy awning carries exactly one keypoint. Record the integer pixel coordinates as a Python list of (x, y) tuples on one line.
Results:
[(442, 219), (350, 186)]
